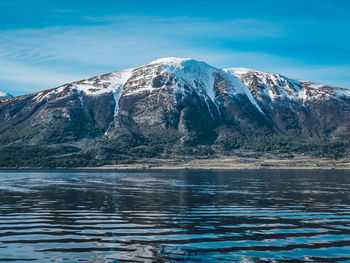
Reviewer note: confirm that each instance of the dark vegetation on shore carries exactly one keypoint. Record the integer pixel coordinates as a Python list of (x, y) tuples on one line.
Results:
[(128, 149)]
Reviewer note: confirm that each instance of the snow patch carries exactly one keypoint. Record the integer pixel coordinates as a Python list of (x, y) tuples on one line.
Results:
[(342, 93), (116, 94), (81, 98), (103, 84), (170, 61), (44, 95), (316, 85), (5, 95)]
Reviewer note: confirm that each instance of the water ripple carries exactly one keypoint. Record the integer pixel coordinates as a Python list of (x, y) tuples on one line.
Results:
[(242, 216)]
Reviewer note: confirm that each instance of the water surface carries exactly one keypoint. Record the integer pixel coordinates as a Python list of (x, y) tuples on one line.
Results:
[(236, 216)]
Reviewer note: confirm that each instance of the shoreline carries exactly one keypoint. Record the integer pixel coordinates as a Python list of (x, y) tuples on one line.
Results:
[(223, 163), (141, 170)]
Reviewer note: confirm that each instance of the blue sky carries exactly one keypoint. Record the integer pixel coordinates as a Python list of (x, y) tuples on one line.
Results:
[(46, 43)]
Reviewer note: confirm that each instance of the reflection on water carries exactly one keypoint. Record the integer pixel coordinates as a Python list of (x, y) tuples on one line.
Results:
[(236, 216)]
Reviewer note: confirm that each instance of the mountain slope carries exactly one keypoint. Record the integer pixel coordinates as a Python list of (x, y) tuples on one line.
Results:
[(170, 106), (299, 106)]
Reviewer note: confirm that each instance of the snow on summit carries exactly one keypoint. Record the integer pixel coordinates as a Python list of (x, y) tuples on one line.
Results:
[(201, 75), (170, 60), (5, 95)]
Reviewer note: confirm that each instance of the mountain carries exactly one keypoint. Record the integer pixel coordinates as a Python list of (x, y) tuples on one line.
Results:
[(4, 95), (172, 107)]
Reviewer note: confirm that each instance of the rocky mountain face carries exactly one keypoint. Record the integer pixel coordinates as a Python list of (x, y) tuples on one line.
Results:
[(170, 107), (299, 107)]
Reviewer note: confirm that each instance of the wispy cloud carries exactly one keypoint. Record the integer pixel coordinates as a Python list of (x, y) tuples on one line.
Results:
[(33, 75), (33, 59), (51, 56), (128, 34)]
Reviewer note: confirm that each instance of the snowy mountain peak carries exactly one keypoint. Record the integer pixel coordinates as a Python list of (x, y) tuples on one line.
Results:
[(170, 60), (173, 63), (5, 95)]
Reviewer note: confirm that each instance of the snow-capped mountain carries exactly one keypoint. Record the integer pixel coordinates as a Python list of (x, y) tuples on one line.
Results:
[(5, 95), (177, 101)]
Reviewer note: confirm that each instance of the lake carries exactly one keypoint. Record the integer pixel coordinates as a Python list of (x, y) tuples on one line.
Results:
[(188, 216)]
